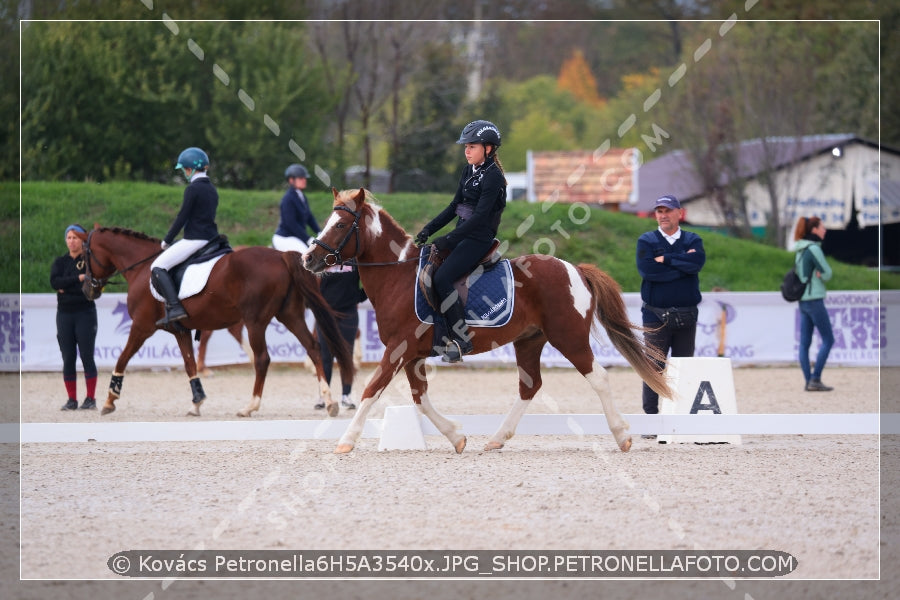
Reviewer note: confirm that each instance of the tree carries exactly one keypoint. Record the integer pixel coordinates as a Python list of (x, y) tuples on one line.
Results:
[(575, 76), (425, 157)]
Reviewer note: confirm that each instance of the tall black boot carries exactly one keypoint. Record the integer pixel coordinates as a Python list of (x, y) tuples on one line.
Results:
[(162, 280), (460, 339)]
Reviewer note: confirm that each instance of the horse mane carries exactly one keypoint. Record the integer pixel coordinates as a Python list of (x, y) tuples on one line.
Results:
[(130, 233), (348, 197)]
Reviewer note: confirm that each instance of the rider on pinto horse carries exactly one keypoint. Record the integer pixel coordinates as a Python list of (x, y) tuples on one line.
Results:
[(479, 202), (198, 218)]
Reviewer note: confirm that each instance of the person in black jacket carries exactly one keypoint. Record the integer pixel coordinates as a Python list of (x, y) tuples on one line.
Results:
[(198, 218), (341, 289), (296, 216), (478, 203), (76, 320), (669, 260)]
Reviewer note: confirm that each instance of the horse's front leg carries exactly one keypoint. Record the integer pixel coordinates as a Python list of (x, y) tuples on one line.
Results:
[(256, 332), (378, 382), (136, 339), (418, 384), (190, 367)]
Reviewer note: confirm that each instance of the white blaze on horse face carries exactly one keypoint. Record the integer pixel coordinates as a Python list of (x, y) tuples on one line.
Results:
[(581, 295)]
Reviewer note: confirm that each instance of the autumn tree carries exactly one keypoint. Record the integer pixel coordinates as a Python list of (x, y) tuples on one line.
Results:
[(575, 76)]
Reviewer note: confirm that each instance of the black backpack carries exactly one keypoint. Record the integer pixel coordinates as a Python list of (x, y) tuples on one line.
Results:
[(792, 287)]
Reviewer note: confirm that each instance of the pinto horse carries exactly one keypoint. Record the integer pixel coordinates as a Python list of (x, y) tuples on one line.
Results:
[(555, 302), (252, 285)]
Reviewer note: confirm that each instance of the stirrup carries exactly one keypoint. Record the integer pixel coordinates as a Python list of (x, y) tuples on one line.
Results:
[(454, 351), (174, 313)]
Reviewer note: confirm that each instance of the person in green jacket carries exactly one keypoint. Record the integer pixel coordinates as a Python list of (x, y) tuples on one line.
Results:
[(809, 234)]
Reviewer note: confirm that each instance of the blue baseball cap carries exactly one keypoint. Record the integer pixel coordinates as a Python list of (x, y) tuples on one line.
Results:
[(667, 201)]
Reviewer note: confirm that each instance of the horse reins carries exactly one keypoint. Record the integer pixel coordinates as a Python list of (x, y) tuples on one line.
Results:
[(334, 254)]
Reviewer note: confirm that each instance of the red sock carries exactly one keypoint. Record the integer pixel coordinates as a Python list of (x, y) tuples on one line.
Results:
[(71, 390), (91, 383)]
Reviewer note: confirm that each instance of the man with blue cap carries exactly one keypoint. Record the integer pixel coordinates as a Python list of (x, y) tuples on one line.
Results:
[(669, 260)]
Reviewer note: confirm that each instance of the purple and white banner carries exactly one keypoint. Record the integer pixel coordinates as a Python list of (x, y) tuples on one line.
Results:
[(753, 328)]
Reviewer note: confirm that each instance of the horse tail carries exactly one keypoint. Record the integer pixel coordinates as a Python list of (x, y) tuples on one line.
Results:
[(610, 312), (307, 286)]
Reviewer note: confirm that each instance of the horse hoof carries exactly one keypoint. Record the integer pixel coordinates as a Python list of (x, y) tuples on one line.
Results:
[(625, 445), (206, 372), (193, 413), (333, 409), (343, 448), (460, 445), (493, 446), (106, 410), (243, 413)]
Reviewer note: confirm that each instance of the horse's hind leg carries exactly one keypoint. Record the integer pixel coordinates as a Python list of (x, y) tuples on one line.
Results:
[(528, 360), (256, 332), (418, 383), (583, 359), (190, 367), (297, 326)]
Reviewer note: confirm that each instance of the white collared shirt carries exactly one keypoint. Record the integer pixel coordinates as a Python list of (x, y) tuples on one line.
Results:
[(198, 175), (671, 238)]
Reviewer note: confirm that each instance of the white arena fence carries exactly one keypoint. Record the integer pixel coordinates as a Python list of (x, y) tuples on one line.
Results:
[(760, 328)]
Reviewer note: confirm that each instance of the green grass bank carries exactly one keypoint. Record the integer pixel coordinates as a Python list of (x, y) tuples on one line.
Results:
[(250, 217)]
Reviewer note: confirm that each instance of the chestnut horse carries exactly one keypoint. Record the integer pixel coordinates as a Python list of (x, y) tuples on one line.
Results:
[(252, 285), (555, 302)]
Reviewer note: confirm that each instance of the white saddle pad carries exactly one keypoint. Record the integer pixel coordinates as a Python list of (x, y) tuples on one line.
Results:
[(195, 278)]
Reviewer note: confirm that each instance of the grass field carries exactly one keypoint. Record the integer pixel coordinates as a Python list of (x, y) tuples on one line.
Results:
[(601, 237)]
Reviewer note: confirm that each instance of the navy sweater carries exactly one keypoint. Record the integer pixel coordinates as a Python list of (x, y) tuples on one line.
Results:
[(675, 281)]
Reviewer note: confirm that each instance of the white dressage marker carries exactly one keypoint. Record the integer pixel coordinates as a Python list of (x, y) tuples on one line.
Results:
[(703, 385)]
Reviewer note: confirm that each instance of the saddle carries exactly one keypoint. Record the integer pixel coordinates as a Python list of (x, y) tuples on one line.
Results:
[(214, 248), (436, 259)]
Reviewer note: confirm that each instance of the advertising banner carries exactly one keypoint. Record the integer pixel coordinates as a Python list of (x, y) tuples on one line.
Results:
[(752, 328)]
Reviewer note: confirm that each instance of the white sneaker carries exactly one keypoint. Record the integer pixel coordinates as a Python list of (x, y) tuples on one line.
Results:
[(347, 403)]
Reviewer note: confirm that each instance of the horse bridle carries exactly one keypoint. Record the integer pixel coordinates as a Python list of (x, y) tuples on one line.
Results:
[(334, 254), (99, 284)]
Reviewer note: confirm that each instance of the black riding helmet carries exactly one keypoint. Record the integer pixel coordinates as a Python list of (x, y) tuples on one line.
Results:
[(296, 170), (480, 132)]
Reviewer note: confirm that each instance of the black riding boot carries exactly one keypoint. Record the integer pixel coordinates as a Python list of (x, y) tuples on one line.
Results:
[(163, 283), (460, 338)]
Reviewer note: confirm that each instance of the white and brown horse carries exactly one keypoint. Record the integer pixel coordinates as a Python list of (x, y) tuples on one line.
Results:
[(555, 302)]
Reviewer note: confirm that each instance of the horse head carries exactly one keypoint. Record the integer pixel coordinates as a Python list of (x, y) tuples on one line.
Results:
[(339, 239), (359, 229), (105, 250)]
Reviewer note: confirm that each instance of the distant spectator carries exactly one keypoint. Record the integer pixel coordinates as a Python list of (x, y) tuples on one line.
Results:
[(809, 234)]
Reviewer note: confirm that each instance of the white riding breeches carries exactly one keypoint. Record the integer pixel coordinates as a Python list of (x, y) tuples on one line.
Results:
[(282, 243), (177, 253)]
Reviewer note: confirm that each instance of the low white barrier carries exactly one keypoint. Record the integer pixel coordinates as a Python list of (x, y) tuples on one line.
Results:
[(537, 424)]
